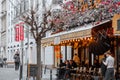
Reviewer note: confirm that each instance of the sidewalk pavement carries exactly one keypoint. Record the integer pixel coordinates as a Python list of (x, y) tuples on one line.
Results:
[(45, 73), (47, 76)]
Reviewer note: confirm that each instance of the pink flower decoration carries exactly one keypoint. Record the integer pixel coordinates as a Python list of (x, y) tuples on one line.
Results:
[(118, 3)]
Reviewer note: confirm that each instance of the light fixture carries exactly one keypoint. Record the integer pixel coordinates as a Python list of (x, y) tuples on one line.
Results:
[(3, 12)]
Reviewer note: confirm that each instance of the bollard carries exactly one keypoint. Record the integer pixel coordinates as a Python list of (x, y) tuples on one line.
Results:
[(45, 69), (50, 74)]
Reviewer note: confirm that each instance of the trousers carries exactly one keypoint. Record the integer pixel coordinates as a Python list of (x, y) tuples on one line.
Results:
[(109, 75)]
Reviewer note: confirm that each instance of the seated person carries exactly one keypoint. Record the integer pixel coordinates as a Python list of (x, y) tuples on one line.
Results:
[(61, 69), (95, 66), (86, 64), (76, 59), (73, 64), (69, 65), (62, 64)]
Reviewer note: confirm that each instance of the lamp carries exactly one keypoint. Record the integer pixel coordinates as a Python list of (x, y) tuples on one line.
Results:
[(3, 12)]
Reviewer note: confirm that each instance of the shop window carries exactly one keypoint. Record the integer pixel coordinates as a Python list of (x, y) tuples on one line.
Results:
[(118, 24)]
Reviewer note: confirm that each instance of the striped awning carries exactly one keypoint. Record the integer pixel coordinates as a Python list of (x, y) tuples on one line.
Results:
[(68, 36)]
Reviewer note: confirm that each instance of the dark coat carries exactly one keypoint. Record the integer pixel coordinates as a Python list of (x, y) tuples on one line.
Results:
[(16, 58), (103, 67)]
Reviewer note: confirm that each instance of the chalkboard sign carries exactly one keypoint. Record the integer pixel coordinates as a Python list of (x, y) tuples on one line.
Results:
[(32, 70)]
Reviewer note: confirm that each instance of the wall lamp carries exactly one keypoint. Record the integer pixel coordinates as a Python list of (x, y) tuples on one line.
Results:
[(3, 13)]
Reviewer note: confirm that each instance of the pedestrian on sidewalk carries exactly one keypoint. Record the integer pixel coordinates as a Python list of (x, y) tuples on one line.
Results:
[(17, 60), (4, 60), (109, 75)]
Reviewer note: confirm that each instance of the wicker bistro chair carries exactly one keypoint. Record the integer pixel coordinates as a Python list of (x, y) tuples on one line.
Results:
[(92, 73), (88, 75), (84, 73), (99, 74), (81, 74), (96, 74), (73, 75), (60, 72)]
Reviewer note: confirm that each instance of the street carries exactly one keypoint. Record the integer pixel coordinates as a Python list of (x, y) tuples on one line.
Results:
[(9, 74)]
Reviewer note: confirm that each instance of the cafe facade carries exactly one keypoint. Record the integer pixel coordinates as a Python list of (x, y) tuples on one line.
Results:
[(79, 41), (90, 41)]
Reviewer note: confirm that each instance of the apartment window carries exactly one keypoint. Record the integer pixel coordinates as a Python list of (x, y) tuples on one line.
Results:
[(57, 1), (118, 24), (31, 36), (11, 35), (22, 7), (8, 36), (37, 4), (31, 3), (4, 5), (11, 15), (15, 12), (9, 18), (18, 9), (3, 23), (26, 4)]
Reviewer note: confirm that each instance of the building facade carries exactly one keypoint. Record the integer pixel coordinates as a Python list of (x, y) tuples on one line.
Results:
[(3, 16), (74, 37), (16, 10), (83, 32), (11, 11)]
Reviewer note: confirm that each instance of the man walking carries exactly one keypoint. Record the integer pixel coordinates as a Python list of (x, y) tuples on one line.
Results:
[(109, 75), (17, 60)]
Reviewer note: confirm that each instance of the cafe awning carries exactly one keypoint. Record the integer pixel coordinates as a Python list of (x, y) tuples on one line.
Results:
[(102, 35), (82, 33)]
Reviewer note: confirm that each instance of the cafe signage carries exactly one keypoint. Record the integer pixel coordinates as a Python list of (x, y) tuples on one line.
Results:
[(72, 35)]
